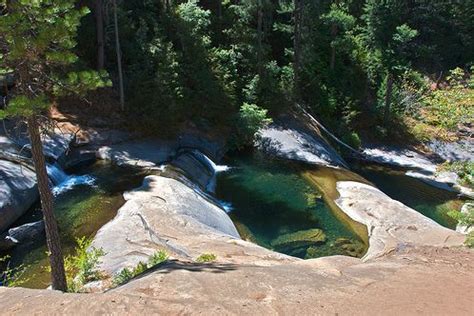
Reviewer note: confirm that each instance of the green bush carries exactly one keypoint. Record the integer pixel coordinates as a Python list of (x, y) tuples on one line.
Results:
[(206, 257), (250, 120), (464, 169), (465, 219), (82, 267), (352, 139)]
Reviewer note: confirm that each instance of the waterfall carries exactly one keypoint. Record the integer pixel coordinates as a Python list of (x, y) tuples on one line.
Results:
[(215, 168), (211, 186), (227, 206), (63, 182), (56, 174)]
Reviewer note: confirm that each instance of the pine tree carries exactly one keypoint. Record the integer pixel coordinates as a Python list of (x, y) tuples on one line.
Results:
[(37, 41)]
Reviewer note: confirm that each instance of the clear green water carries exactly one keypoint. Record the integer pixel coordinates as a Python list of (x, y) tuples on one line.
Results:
[(81, 211), (426, 199), (271, 198)]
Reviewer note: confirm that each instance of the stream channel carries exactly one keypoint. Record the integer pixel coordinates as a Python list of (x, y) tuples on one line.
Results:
[(281, 205)]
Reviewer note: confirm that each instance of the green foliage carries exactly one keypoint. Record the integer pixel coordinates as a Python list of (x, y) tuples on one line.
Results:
[(37, 39), (451, 106), (158, 258), (82, 267), (464, 169), (250, 120), (352, 139), (465, 219), (126, 274), (11, 277), (206, 257)]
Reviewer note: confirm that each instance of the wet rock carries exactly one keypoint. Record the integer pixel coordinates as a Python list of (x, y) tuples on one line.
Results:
[(195, 168), (303, 238)]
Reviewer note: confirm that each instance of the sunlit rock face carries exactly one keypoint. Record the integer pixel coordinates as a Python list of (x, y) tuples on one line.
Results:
[(291, 143)]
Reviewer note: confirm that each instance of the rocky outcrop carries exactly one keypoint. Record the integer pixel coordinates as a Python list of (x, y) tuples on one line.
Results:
[(294, 144), (466, 209), (18, 192), (391, 224), (431, 281), (147, 153), (418, 167), (167, 214), (17, 179)]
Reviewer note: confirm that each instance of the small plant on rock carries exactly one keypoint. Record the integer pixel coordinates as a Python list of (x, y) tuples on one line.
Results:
[(82, 267), (126, 274), (206, 257)]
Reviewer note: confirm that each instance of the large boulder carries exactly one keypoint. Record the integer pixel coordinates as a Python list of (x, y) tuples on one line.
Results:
[(295, 144), (197, 167), (419, 167), (146, 153), (160, 208), (18, 192), (391, 224), (23, 234)]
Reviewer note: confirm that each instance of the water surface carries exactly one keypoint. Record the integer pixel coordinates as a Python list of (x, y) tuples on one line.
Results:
[(271, 198), (428, 200), (81, 211)]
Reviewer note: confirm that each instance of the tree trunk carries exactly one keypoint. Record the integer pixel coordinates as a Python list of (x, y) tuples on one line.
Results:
[(388, 98), (333, 48), (297, 45), (99, 25), (119, 57), (58, 275), (259, 36)]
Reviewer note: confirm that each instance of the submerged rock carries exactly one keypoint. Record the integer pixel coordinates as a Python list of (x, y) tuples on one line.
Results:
[(303, 238), (349, 247)]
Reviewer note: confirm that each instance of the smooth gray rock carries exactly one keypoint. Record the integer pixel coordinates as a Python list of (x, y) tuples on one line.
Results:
[(193, 140), (290, 143), (18, 192), (195, 167), (142, 153), (23, 234), (420, 167), (399, 157), (462, 150), (161, 208), (390, 224)]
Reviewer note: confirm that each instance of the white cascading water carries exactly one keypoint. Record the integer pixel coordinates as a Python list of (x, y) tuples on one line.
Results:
[(211, 186), (63, 182), (56, 174)]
